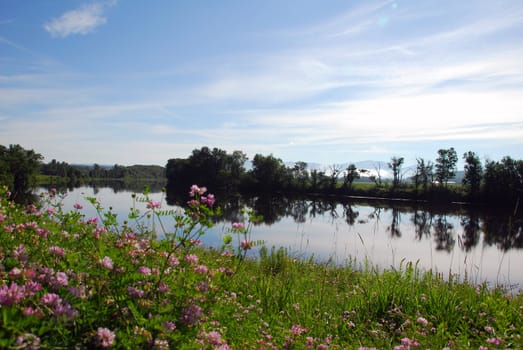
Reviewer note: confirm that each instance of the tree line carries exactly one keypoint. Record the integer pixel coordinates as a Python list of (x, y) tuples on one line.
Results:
[(22, 169), (500, 181), (493, 181)]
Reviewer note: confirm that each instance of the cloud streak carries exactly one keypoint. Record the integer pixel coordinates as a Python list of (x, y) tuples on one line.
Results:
[(83, 20)]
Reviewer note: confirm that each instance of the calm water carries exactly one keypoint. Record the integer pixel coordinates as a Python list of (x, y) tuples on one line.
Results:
[(481, 245)]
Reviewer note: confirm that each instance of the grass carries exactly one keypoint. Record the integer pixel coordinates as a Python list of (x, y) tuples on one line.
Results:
[(67, 281)]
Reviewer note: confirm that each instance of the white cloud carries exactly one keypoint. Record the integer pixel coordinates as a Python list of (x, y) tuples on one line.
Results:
[(81, 21)]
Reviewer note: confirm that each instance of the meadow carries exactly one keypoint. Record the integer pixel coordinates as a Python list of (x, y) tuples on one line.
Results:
[(70, 281)]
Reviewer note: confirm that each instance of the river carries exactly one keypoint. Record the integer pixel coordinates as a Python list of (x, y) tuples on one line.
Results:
[(476, 244)]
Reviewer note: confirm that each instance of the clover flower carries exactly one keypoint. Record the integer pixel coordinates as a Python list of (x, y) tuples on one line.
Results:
[(105, 337)]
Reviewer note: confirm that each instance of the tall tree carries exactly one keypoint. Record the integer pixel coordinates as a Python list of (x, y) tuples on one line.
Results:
[(473, 173), (20, 167), (446, 165), (395, 165), (335, 171), (424, 173), (268, 172), (351, 174), (300, 174)]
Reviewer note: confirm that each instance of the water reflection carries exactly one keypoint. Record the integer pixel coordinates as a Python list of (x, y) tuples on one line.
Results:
[(475, 241), (446, 225)]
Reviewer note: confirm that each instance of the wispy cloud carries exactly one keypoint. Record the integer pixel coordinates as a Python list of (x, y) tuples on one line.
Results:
[(83, 20)]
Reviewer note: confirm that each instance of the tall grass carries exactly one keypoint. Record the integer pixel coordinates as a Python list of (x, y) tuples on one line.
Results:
[(67, 281)]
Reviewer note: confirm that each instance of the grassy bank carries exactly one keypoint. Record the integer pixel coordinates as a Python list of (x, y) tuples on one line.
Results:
[(69, 281)]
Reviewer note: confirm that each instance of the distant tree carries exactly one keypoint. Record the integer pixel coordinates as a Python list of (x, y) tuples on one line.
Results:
[(335, 171), (473, 173), (377, 178), (395, 165), (503, 180), (315, 179), (300, 175), (351, 174), (268, 172), (20, 167), (424, 173), (446, 165)]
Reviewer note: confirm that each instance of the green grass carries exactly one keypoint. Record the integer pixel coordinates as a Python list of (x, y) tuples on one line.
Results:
[(176, 294)]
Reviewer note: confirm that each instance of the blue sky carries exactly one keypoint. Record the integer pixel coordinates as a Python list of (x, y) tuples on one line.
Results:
[(139, 82)]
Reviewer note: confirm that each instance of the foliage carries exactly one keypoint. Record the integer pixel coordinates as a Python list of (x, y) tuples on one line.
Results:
[(68, 281), (473, 173), (351, 174), (445, 168), (18, 168), (424, 174), (215, 167), (395, 165), (503, 179)]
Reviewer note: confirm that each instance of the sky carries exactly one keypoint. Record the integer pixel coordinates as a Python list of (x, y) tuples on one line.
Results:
[(331, 82)]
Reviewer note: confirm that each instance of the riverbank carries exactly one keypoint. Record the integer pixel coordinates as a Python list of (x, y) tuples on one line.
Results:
[(75, 281)]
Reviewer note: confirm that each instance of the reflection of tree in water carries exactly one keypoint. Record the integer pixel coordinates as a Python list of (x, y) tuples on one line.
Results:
[(271, 208), (232, 208), (375, 216), (394, 224), (471, 230), (298, 210), (324, 206), (443, 234), (350, 214), (504, 231), (422, 221)]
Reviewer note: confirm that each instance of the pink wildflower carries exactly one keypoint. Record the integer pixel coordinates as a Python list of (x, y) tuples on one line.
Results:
[(28, 341), (209, 200), (224, 347), (61, 279), (105, 337), (494, 341), (169, 326), (12, 294), (246, 244), (77, 206), (153, 204), (50, 299), (107, 262), (298, 330), (135, 292), (197, 190), (202, 269), (144, 270), (93, 221), (191, 258), (237, 226), (214, 338), (423, 321), (191, 315), (58, 251)]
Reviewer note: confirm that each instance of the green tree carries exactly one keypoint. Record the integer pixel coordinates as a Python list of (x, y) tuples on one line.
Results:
[(268, 172), (335, 171), (395, 165), (351, 174), (446, 165), (19, 167), (503, 180), (424, 173), (300, 175), (473, 173)]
